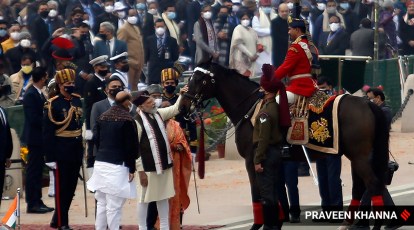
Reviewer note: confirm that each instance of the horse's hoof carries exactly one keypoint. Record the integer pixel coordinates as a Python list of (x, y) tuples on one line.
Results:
[(256, 226)]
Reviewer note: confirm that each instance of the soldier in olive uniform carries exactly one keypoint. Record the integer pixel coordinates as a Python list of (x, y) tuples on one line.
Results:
[(268, 138), (62, 141)]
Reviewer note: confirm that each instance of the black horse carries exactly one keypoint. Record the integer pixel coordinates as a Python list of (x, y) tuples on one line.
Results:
[(364, 136)]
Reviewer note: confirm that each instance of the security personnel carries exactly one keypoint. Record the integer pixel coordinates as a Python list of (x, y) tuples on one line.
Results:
[(62, 141), (121, 65), (298, 63), (267, 139)]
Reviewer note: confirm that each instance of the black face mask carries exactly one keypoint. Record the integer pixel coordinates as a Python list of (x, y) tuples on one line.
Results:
[(77, 20), (44, 14), (103, 73), (84, 37), (69, 89), (223, 17), (113, 92), (125, 68), (261, 94), (170, 89), (305, 13), (102, 36)]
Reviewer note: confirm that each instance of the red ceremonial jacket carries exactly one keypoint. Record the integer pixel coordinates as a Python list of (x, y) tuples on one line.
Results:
[(296, 62)]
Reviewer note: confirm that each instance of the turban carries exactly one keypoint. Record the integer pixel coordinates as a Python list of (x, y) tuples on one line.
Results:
[(65, 75)]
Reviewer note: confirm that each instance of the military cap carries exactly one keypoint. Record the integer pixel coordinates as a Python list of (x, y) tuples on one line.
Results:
[(169, 74), (65, 75), (101, 60), (119, 6), (142, 96), (62, 54), (120, 57), (297, 23)]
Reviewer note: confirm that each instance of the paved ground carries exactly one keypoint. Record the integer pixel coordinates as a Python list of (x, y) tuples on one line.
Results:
[(224, 194)]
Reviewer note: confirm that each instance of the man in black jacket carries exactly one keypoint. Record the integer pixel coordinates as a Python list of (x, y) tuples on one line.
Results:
[(6, 149), (33, 103), (280, 36), (115, 136)]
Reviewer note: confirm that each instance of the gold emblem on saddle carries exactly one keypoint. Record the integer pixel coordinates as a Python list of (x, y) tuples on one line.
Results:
[(319, 130)]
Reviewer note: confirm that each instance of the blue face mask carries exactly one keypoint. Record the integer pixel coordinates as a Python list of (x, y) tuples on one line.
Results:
[(344, 5), (267, 10), (171, 15), (3, 33), (141, 6)]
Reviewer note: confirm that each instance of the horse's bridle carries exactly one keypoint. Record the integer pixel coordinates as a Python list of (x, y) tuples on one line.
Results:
[(197, 99)]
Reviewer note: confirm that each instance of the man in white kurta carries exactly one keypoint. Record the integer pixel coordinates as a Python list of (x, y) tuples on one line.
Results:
[(155, 164)]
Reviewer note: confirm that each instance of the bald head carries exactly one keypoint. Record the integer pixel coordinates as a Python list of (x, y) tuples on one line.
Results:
[(123, 99), (283, 11)]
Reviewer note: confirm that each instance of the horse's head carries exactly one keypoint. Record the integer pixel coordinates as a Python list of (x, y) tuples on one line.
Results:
[(201, 86)]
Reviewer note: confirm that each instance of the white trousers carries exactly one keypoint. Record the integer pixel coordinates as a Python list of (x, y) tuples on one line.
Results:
[(290, 96), (163, 214), (108, 211)]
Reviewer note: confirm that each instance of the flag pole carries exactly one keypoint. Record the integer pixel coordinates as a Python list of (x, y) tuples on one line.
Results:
[(18, 209)]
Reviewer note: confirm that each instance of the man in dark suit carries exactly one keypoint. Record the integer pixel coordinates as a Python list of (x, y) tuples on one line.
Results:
[(33, 103), (109, 45), (280, 36), (161, 51), (106, 16), (94, 91), (336, 41), (38, 28), (6, 149)]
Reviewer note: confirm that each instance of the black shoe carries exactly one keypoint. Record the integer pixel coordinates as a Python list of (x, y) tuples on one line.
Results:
[(39, 210), (294, 219), (53, 225), (47, 208), (256, 226), (65, 228)]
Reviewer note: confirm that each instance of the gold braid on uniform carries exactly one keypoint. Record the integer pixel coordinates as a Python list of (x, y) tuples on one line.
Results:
[(66, 121)]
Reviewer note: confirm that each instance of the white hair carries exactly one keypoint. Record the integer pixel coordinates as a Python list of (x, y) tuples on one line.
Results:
[(108, 27)]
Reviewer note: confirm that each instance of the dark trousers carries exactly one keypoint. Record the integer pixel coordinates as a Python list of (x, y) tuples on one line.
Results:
[(90, 158), (268, 186), (330, 183), (34, 174), (2, 175), (152, 215), (66, 179), (288, 180)]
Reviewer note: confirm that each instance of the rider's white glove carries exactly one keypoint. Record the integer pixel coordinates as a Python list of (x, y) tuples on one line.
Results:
[(51, 165), (88, 135)]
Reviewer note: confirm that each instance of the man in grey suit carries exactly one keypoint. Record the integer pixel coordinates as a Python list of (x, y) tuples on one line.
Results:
[(109, 45), (362, 40)]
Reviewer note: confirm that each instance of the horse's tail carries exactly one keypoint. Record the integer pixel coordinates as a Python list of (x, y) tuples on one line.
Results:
[(380, 154)]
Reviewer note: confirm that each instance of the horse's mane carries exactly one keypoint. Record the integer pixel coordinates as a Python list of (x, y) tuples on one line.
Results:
[(231, 72)]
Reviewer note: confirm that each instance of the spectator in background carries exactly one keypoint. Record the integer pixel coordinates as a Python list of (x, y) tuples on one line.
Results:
[(351, 20), (360, 9), (14, 55), (54, 20), (109, 45), (14, 39), (322, 22), (406, 29), (336, 41), (193, 14), (6, 149), (243, 49), (85, 54), (377, 97), (205, 37), (149, 20), (22, 79), (387, 26), (362, 40), (305, 14), (107, 16), (121, 68), (131, 34), (5, 89), (39, 27), (120, 12), (3, 31), (222, 27), (169, 15), (280, 36), (161, 51), (76, 18)]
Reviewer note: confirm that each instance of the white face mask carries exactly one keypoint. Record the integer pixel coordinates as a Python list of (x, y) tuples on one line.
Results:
[(15, 36), (235, 8), (207, 15), (321, 6), (52, 13), (109, 9), (158, 102), (160, 31), (25, 43), (334, 26), (290, 5), (153, 11), (132, 20), (121, 14), (245, 22)]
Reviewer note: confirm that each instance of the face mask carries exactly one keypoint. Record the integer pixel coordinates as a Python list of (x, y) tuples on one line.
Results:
[(267, 10), (290, 5), (331, 10), (52, 13), (223, 17), (15, 36), (44, 14), (84, 37), (141, 6), (27, 69), (103, 73), (132, 20), (334, 26), (109, 9), (3, 33), (113, 92), (121, 14), (305, 14), (321, 6), (171, 15), (160, 31), (69, 89), (207, 15), (102, 36), (25, 43), (158, 102), (261, 94), (344, 5), (245, 22), (235, 8), (125, 68), (77, 20), (153, 11), (170, 89)]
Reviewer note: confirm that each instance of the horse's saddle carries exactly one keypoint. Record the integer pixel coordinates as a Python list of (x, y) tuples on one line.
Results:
[(315, 122)]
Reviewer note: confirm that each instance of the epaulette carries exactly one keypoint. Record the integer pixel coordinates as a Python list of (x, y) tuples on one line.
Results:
[(53, 98), (49, 101), (293, 49), (76, 95)]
